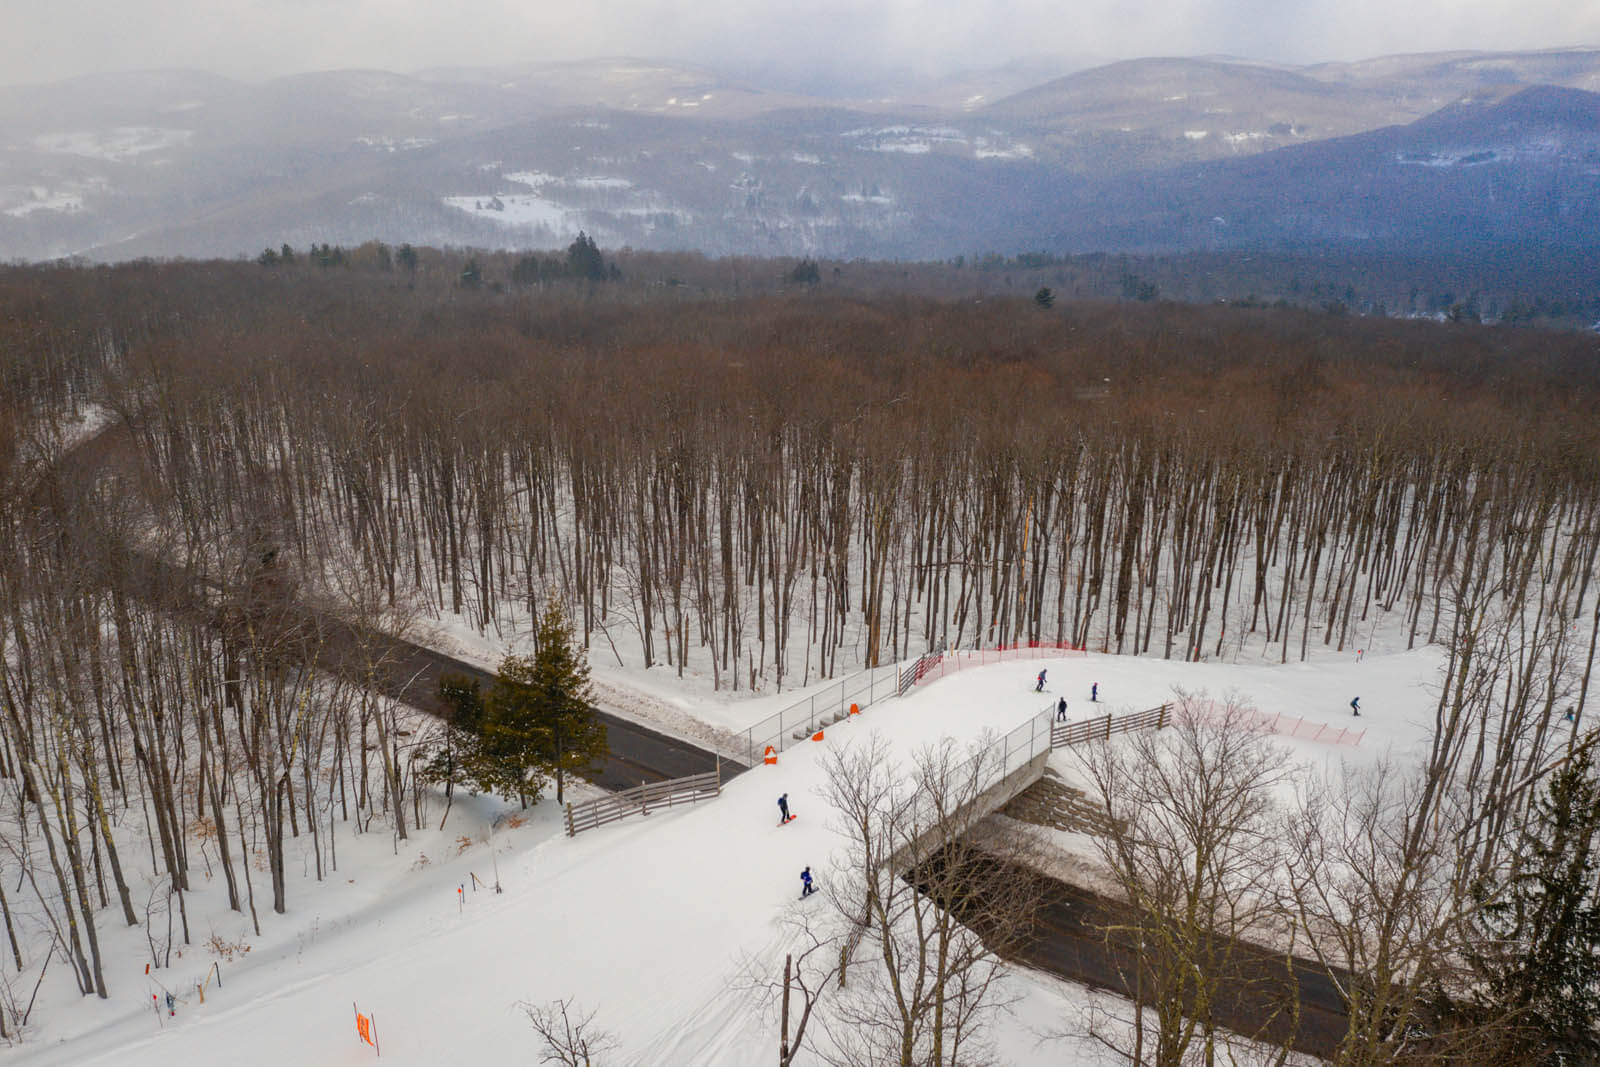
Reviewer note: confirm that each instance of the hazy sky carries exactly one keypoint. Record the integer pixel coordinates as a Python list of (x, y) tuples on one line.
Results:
[(841, 41)]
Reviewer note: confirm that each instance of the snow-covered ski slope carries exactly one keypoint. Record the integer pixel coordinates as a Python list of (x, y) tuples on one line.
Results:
[(653, 923)]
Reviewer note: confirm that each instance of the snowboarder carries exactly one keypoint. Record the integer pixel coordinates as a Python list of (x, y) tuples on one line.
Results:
[(1061, 710), (1040, 687), (1570, 717), (783, 809), (1094, 692), (1355, 707), (805, 882)]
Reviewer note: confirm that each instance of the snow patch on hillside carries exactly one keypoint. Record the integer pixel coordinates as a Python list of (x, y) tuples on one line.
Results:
[(390, 144), (20, 201), (116, 145), (528, 210)]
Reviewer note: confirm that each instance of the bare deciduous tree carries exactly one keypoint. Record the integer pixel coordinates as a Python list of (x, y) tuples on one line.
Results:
[(934, 902), (569, 1033), (1190, 840)]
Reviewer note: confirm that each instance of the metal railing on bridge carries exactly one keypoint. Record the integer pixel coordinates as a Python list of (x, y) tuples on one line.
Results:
[(805, 717)]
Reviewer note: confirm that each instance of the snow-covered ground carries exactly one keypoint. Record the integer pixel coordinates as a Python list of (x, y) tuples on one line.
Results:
[(654, 923)]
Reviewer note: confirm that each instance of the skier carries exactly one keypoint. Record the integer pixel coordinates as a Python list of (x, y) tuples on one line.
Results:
[(1570, 717), (1094, 692), (1061, 710), (805, 881), (1355, 706), (1040, 687), (783, 809)]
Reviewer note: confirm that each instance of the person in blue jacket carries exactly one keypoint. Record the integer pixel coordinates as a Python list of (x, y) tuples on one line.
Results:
[(1040, 687), (806, 888)]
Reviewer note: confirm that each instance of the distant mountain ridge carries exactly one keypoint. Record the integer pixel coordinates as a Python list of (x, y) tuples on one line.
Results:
[(1156, 154)]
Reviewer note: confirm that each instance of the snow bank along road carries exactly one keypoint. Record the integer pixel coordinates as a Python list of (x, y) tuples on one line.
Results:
[(636, 755)]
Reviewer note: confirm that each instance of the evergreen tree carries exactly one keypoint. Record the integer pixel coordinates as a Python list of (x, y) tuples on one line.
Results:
[(459, 758), (1044, 297), (571, 738), (1539, 951), (584, 259), (510, 745), (537, 720)]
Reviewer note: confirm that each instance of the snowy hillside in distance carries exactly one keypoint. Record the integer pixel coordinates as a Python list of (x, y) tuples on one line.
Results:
[(1131, 156), (656, 924)]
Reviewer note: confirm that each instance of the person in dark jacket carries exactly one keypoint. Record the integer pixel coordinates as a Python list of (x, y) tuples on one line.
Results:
[(1355, 707), (806, 888), (1040, 687), (1094, 692), (1061, 710), (783, 809)]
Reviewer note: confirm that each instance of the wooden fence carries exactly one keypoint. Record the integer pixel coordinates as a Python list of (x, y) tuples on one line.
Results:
[(1076, 733), (641, 800)]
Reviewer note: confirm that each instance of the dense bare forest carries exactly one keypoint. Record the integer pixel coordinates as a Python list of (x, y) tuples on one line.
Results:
[(770, 490)]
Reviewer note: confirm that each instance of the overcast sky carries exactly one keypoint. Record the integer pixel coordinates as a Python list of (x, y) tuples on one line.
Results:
[(841, 41)]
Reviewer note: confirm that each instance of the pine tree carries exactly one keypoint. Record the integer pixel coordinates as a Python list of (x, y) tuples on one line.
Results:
[(1539, 953), (459, 757), (538, 721), (571, 737), (584, 259), (510, 745)]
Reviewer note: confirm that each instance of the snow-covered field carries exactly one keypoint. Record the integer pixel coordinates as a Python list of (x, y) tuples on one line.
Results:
[(656, 924)]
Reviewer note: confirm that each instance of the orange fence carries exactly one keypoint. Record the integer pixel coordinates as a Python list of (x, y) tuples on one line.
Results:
[(934, 666)]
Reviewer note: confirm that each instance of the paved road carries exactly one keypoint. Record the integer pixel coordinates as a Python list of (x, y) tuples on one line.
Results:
[(1069, 940), (638, 754)]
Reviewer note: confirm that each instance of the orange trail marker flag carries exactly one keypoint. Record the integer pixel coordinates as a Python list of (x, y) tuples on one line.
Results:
[(366, 1028)]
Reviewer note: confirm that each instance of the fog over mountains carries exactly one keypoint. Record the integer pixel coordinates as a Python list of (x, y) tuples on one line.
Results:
[(1443, 151)]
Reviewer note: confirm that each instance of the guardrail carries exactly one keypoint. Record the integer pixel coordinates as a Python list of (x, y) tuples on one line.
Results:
[(641, 799), (805, 717), (1018, 747), (921, 666), (1076, 733)]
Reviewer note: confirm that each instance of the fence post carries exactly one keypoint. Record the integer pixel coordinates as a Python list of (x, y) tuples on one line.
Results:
[(1108, 726), (570, 831)]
